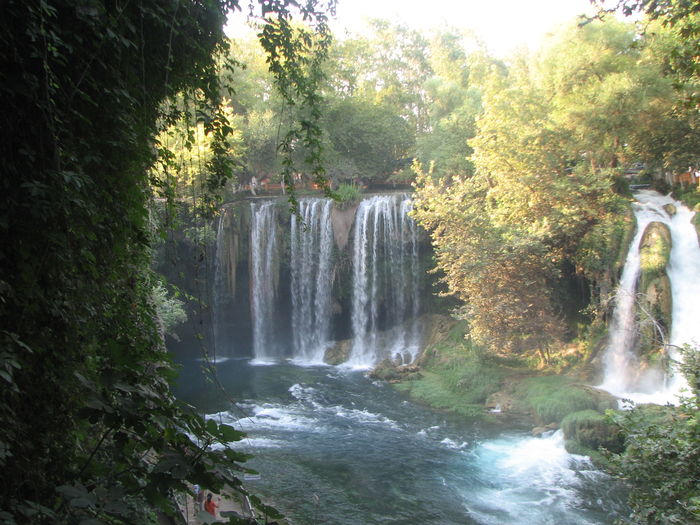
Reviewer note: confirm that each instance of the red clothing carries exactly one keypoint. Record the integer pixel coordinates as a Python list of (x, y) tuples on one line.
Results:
[(210, 507)]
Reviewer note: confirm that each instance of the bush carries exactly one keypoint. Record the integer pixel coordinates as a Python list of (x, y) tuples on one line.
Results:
[(348, 194)]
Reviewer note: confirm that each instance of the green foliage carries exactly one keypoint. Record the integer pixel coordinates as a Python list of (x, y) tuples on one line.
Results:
[(367, 139), (89, 429), (690, 197), (348, 194), (552, 398), (550, 137), (660, 462), (169, 309)]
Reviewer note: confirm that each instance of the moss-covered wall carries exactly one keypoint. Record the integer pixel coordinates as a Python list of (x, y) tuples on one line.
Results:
[(654, 306)]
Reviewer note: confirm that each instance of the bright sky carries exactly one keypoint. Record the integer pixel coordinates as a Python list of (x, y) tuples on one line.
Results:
[(503, 25)]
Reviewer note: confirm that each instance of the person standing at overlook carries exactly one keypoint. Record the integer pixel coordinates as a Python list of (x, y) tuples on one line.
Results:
[(210, 506)]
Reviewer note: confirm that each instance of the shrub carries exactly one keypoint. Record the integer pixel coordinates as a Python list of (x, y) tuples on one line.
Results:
[(348, 194)]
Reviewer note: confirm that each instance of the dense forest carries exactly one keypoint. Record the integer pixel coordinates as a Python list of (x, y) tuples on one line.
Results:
[(119, 115)]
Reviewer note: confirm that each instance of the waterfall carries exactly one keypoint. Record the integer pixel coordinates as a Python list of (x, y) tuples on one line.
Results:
[(684, 274), (220, 287), (385, 281), (311, 248), (263, 279)]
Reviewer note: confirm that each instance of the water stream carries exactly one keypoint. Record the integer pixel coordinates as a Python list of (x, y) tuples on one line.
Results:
[(333, 447), (263, 254)]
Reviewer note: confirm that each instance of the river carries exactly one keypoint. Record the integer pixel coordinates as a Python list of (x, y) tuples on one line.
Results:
[(334, 447)]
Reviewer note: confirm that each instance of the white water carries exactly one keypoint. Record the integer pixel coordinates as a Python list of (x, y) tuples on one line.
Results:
[(220, 286), (684, 273), (385, 298), (311, 247), (263, 250)]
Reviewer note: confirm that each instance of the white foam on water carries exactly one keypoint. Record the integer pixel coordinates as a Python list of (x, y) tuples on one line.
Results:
[(213, 360), (262, 362), (303, 393), (449, 443), (259, 442), (363, 416), (528, 480)]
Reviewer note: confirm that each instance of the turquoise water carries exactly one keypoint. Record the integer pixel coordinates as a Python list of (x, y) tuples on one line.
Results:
[(334, 447)]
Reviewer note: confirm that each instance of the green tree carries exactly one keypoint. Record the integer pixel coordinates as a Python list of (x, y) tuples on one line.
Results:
[(453, 106), (367, 140)]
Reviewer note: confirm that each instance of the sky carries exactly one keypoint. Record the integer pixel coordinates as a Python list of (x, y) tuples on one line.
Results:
[(503, 25)]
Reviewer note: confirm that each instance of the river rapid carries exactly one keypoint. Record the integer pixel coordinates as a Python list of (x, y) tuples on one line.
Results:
[(334, 447)]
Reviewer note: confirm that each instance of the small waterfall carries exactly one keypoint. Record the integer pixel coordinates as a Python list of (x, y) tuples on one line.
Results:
[(311, 248), (385, 281), (263, 279), (221, 274), (684, 273)]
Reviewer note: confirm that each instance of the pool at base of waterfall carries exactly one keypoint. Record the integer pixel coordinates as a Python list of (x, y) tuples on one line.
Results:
[(334, 447)]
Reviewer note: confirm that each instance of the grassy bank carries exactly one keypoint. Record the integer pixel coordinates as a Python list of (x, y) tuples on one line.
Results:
[(455, 375)]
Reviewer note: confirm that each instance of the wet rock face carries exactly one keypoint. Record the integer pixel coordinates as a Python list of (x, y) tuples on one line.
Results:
[(338, 353), (590, 430), (342, 220), (670, 209)]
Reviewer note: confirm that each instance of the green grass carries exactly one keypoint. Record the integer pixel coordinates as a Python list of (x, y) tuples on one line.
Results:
[(433, 391), (456, 376), (552, 398)]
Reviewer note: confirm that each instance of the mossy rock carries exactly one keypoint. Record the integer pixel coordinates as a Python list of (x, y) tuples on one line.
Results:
[(338, 353), (388, 370), (590, 430), (654, 252), (670, 209), (551, 398), (655, 300)]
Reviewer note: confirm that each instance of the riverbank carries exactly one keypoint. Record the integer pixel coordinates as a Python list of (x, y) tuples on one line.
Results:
[(454, 375)]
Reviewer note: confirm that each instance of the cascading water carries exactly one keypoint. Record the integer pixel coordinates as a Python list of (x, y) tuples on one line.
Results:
[(684, 273), (263, 276), (220, 287), (311, 248), (385, 281)]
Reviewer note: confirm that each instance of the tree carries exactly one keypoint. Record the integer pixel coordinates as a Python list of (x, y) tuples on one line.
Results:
[(453, 106), (680, 16), (367, 140), (545, 153)]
